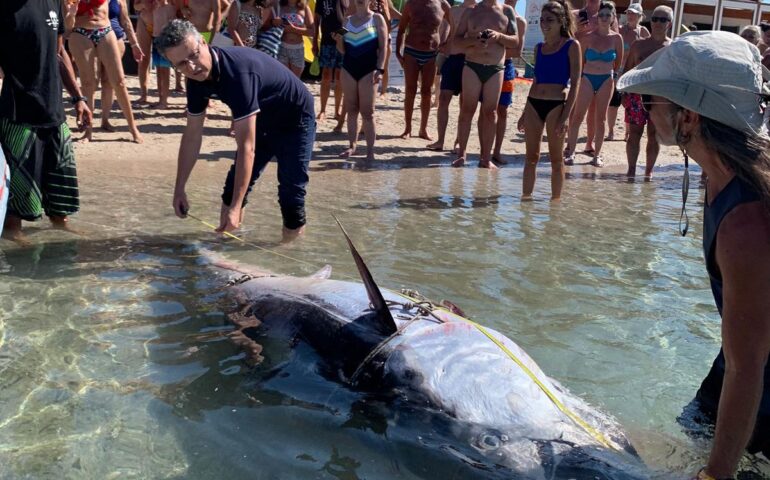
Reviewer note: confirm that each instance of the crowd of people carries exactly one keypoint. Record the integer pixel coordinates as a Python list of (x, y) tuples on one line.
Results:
[(704, 92)]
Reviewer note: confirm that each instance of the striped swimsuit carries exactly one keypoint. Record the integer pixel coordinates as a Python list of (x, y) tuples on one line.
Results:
[(361, 48)]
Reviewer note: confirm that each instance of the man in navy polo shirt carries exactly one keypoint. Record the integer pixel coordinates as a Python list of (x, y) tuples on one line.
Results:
[(273, 117)]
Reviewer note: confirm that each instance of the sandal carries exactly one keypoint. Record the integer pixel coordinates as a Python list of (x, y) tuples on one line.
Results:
[(570, 160), (597, 161)]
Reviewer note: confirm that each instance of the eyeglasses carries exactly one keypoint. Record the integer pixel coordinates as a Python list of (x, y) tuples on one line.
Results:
[(660, 19), (647, 103)]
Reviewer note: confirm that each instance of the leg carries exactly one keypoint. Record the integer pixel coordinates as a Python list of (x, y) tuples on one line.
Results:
[(367, 91), (164, 86), (502, 123), (591, 126), (436, 90), (601, 102), (109, 53), (533, 135), (350, 89), (653, 148), (145, 43), (293, 155), (426, 91), (178, 88), (84, 53), (585, 95), (385, 75), (108, 93), (337, 94), (326, 83), (411, 74), (555, 151), (59, 184), (612, 119), (468, 101), (632, 147), (488, 119), (442, 119)]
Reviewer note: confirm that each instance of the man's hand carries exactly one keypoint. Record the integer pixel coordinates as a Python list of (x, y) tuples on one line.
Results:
[(181, 206), (84, 115), (230, 219)]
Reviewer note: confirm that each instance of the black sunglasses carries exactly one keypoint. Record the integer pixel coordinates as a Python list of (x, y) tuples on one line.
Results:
[(659, 19)]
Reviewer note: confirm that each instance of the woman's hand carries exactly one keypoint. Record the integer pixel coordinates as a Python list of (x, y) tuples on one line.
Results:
[(136, 50), (377, 77)]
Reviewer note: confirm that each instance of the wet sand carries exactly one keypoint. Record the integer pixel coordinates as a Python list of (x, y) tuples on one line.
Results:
[(162, 131)]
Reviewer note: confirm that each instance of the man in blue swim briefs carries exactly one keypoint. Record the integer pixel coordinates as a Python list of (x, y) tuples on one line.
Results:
[(33, 132), (417, 46), (253, 85)]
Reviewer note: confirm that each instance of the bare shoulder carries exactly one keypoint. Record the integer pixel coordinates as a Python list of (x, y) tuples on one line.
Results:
[(743, 240), (379, 20)]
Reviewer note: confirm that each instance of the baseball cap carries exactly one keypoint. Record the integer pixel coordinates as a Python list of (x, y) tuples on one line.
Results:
[(635, 8)]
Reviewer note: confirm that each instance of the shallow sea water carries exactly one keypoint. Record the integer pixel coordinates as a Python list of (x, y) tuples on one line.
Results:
[(114, 361)]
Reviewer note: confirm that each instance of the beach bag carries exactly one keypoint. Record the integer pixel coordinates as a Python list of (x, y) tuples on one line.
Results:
[(269, 41)]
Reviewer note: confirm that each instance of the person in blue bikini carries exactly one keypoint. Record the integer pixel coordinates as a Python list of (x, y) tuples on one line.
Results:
[(603, 57)]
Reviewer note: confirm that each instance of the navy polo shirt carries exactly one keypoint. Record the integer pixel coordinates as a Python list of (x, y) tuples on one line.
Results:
[(250, 82)]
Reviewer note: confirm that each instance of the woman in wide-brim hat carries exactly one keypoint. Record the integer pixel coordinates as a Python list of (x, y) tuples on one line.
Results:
[(706, 94)]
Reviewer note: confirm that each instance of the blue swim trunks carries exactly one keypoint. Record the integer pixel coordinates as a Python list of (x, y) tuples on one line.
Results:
[(330, 57), (452, 73), (506, 93), (159, 60)]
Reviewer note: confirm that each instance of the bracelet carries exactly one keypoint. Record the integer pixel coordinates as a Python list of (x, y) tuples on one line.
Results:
[(77, 99)]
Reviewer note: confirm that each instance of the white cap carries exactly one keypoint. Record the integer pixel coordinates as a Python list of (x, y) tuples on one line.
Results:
[(716, 74), (635, 8)]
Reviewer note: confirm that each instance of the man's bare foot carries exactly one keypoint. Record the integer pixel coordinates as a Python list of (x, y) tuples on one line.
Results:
[(348, 152), (321, 116), (556, 199), (435, 146), (61, 222), (459, 162), (106, 126), (487, 164), (290, 235), (499, 160), (159, 106), (424, 135), (12, 231), (338, 127), (370, 157), (407, 134), (137, 137), (87, 137), (526, 198), (142, 100)]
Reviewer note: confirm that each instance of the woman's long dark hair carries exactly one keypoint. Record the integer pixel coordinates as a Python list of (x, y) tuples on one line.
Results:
[(562, 10)]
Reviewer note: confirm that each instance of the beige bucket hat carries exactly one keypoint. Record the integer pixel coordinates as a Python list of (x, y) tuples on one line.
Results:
[(716, 74)]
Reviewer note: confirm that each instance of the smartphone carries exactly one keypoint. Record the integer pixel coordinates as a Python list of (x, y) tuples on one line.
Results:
[(341, 31)]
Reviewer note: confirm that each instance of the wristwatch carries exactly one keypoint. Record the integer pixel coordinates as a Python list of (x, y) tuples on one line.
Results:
[(380, 70), (77, 99)]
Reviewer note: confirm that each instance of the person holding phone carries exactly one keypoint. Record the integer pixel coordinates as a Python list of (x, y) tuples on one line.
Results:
[(363, 42), (297, 21)]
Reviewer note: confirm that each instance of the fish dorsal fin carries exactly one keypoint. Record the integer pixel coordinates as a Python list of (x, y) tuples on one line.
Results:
[(323, 273), (372, 290)]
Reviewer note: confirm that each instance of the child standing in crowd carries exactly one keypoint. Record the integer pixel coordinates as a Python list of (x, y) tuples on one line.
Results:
[(328, 19), (550, 101), (164, 11), (297, 21), (244, 21), (363, 48), (603, 56)]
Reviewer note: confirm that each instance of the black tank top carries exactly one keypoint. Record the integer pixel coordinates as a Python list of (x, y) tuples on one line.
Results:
[(735, 193)]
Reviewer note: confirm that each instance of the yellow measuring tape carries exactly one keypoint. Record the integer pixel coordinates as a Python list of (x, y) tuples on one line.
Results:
[(563, 408), (551, 396)]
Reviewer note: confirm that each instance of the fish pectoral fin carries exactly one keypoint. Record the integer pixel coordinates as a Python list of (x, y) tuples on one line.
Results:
[(323, 273), (379, 305)]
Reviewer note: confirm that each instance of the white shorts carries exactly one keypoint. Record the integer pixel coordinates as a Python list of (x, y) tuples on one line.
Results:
[(292, 54)]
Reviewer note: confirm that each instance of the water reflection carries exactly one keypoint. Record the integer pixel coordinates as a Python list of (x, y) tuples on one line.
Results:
[(115, 358)]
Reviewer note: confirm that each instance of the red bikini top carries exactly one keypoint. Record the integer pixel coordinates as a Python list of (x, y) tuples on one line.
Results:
[(89, 6)]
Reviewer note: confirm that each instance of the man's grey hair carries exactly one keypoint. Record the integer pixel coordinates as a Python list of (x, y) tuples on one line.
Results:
[(666, 9), (174, 33)]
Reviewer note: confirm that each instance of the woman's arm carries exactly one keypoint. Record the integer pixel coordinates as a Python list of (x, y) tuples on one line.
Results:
[(125, 22), (233, 19), (575, 71), (618, 53)]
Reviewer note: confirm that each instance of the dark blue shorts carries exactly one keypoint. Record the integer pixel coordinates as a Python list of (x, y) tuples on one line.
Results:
[(452, 73), (329, 57), (292, 148)]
